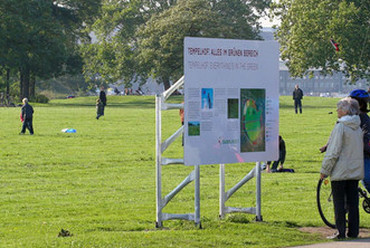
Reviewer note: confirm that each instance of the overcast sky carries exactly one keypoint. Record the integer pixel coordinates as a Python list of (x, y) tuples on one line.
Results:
[(267, 24)]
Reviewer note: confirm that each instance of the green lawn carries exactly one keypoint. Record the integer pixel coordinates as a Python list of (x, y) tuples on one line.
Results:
[(99, 183)]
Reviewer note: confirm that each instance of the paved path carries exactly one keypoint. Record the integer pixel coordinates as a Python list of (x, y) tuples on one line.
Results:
[(356, 243)]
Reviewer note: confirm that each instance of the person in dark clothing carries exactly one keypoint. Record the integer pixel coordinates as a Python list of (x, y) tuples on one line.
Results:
[(297, 97), (282, 153), (363, 97), (281, 160), (117, 91), (99, 108), (26, 117), (103, 100)]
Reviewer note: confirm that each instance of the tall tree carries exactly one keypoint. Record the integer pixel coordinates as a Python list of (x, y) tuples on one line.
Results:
[(161, 40), (40, 36), (332, 35)]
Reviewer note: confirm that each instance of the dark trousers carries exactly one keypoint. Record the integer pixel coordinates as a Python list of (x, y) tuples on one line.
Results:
[(102, 110), (298, 104), (281, 160), (345, 197), (182, 142), (275, 165), (27, 124), (367, 174)]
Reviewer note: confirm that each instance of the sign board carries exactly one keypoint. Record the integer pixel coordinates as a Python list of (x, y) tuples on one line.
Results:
[(231, 101)]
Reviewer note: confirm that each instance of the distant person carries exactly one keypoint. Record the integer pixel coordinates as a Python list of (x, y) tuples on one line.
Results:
[(344, 163), (139, 91), (103, 99), (116, 91), (26, 117), (99, 108), (297, 97)]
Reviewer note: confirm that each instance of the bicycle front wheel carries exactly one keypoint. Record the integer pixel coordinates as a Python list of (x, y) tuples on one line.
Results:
[(325, 204)]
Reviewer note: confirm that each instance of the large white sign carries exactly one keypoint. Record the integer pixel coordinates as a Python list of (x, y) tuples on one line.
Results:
[(231, 101)]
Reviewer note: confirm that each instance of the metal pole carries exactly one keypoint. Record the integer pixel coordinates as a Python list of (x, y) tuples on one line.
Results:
[(222, 191), (197, 196), (158, 164), (258, 191)]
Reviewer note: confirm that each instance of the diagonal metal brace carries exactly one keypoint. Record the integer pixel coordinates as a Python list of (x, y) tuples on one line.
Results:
[(186, 181), (248, 177)]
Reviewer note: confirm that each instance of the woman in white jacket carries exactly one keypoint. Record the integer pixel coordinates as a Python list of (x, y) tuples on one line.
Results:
[(344, 163)]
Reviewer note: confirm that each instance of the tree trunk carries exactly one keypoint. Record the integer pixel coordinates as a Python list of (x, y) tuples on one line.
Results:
[(32, 86), (166, 83), (7, 85), (25, 82), (20, 84)]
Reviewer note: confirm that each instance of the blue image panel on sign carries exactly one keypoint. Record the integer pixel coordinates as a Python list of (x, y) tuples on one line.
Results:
[(207, 98)]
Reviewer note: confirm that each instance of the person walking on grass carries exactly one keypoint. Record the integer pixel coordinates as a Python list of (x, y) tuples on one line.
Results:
[(26, 117), (344, 163), (103, 100), (99, 108), (297, 97)]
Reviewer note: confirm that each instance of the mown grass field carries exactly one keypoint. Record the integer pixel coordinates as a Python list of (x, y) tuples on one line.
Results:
[(99, 183)]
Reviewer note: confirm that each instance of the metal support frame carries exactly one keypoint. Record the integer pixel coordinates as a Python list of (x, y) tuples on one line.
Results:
[(160, 105), (224, 196)]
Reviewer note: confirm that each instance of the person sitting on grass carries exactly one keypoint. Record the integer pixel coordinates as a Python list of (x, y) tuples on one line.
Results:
[(281, 160)]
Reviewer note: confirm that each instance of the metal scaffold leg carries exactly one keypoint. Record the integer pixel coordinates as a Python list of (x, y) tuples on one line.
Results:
[(225, 195), (161, 202)]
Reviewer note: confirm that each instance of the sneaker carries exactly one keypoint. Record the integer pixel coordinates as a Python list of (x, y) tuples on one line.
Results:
[(21, 133), (352, 236), (335, 236)]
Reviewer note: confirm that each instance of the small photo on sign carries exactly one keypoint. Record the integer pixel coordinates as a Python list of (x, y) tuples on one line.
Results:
[(193, 128), (232, 108), (207, 98), (252, 120)]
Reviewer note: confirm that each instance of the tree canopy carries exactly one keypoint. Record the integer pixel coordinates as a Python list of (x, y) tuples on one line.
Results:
[(141, 39), (310, 29)]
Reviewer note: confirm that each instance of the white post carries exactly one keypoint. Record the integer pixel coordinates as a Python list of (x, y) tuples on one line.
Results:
[(222, 191), (258, 191), (197, 195), (158, 162)]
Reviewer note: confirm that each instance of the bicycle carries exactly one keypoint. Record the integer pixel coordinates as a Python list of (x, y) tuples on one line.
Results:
[(324, 199)]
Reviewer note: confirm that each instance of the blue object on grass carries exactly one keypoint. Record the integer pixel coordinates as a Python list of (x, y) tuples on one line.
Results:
[(69, 130)]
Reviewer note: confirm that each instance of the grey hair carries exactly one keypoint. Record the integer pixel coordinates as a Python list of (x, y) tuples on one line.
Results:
[(25, 100), (349, 105)]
